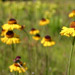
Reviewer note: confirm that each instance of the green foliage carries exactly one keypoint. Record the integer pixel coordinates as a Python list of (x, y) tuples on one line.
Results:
[(29, 13)]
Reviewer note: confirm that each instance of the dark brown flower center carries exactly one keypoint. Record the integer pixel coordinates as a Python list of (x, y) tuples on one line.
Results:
[(47, 38), (18, 63), (3, 30), (37, 35), (72, 25), (33, 29), (43, 19), (73, 11), (22, 27), (12, 21), (10, 34)]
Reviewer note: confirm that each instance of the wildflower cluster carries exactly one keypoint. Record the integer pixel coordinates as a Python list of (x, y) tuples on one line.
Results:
[(35, 33), (7, 33), (18, 65), (46, 41), (71, 30)]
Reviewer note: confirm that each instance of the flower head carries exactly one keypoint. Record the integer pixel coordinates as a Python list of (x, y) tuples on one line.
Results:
[(10, 38), (69, 31), (22, 27), (17, 58), (72, 14), (12, 21), (12, 24), (36, 37), (34, 31), (44, 21), (72, 24), (47, 41), (18, 65)]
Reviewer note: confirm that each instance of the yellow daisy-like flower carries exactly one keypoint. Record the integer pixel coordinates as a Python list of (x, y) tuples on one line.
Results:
[(44, 22), (47, 41), (12, 24), (69, 31), (18, 66), (72, 14), (34, 31), (10, 38), (36, 37)]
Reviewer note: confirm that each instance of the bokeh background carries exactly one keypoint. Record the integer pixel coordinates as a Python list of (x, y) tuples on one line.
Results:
[(29, 13)]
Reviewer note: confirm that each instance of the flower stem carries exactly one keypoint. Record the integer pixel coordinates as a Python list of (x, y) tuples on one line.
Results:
[(12, 47), (26, 33), (70, 59), (46, 63)]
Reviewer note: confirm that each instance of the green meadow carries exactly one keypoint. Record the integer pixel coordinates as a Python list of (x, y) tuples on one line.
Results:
[(32, 52)]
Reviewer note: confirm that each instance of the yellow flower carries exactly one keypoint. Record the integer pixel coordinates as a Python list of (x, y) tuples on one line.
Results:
[(69, 31), (72, 14), (36, 37), (18, 65), (47, 41), (12, 24), (34, 31), (10, 38), (44, 22)]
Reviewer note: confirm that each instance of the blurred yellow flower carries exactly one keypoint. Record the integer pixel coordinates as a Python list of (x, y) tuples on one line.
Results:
[(18, 66), (36, 37), (34, 31), (12, 24), (10, 38), (47, 41), (44, 22), (72, 14), (69, 31), (22, 27), (3, 32)]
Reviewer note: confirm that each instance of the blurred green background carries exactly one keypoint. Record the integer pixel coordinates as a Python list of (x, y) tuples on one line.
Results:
[(29, 13)]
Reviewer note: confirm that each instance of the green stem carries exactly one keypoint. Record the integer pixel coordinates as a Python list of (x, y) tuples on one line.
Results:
[(46, 63), (26, 33), (37, 54), (16, 73), (70, 59), (12, 47)]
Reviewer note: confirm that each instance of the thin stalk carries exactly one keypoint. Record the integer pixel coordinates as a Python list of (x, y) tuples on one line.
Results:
[(16, 73), (13, 47), (46, 63), (70, 59), (37, 54), (26, 33)]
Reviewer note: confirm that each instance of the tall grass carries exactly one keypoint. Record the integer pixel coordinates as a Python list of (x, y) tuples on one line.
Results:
[(29, 13)]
